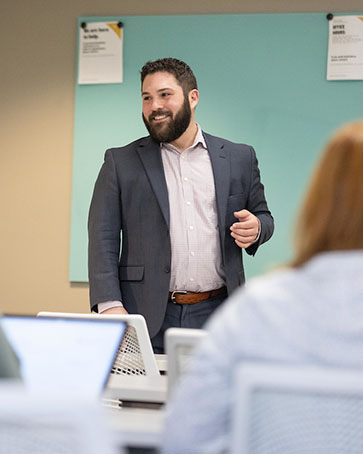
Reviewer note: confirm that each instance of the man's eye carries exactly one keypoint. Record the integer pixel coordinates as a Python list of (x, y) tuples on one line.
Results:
[(164, 95), (146, 98)]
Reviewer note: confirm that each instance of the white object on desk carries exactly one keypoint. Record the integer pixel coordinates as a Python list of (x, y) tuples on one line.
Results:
[(180, 344), (137, 389), (135, 356)]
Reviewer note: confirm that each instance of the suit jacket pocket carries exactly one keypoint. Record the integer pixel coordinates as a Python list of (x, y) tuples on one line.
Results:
[(131, 273)]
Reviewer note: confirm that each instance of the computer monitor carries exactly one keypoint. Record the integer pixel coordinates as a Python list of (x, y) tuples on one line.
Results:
[(64, 355)]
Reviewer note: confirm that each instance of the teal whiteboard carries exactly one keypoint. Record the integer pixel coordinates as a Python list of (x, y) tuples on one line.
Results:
[(262, 81)]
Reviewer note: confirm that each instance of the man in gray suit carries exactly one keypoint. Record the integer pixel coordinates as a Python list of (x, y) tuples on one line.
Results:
[(184, 203)]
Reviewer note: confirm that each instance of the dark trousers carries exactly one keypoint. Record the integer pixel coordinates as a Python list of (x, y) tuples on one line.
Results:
[(185, 316)]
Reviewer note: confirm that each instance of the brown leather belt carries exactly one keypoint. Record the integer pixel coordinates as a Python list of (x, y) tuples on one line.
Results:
[(184, 297)]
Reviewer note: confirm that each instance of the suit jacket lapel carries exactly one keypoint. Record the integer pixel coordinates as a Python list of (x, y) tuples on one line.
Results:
[(221, 171), (149, 152)]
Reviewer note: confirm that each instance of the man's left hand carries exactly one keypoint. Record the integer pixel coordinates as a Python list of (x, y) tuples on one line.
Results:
[(245, 231)]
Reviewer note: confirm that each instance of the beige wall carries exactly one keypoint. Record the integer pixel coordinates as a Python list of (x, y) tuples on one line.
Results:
[(37, 77)]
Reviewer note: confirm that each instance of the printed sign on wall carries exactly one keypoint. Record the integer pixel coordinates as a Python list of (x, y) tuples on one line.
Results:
[(345, 54), (100, 53)]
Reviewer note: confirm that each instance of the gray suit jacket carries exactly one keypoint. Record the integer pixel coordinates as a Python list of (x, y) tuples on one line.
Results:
[(131, 197)]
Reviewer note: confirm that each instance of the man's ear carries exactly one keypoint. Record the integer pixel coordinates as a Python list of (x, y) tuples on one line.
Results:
[(193, 98)]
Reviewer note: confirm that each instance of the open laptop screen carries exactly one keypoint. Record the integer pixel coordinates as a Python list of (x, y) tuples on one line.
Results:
[(64, 355)]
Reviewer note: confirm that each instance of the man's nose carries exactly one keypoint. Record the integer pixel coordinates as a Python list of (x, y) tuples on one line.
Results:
[(156, 104)]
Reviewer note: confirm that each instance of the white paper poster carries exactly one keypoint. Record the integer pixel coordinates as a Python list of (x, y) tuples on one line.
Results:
[(345, 53), (100, 53)]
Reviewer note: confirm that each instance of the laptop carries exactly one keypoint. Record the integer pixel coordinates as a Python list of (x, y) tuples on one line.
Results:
[(64, 355), (135, 379)]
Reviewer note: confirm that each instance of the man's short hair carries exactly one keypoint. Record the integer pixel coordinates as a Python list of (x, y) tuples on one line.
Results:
[(180, 70)]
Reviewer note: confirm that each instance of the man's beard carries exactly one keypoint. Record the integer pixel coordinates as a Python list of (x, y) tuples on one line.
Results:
[(171, 130)]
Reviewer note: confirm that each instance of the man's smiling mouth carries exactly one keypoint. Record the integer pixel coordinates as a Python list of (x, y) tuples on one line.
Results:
[(159, 117)]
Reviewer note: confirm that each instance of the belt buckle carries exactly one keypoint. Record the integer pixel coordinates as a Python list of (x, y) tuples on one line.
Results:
[(176, 292)]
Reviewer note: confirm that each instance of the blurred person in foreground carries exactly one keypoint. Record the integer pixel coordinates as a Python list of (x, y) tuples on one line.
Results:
[(310, 313)]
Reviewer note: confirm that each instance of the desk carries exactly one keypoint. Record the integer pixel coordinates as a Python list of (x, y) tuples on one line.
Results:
[(137, 427)]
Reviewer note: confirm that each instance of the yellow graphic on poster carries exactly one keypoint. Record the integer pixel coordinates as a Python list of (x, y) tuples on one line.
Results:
[(116, 28)]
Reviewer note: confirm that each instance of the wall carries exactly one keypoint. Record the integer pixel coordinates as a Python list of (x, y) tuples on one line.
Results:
[(37, 78)]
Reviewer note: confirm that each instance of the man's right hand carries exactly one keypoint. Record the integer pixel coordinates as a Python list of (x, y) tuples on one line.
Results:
[(115, 310)]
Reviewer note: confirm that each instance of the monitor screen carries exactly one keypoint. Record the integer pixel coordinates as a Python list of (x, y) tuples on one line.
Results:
[(64, 355)]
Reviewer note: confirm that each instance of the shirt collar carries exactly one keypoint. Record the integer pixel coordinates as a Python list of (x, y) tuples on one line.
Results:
[(198, 140)]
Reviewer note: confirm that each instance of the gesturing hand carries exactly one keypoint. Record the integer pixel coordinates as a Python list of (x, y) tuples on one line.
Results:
[(245, 231)]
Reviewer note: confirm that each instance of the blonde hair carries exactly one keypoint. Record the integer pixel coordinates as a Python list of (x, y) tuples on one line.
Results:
[(331, 216)]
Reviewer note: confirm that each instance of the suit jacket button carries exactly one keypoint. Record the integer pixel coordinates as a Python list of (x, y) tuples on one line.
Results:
[(167, 269)]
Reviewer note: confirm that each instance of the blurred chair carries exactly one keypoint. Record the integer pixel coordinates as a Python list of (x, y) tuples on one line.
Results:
[(179, 344), (295, 410), (135, 356), (43, 424)]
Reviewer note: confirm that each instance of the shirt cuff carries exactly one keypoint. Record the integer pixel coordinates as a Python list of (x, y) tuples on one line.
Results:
[(107, 305), (259, 231)]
